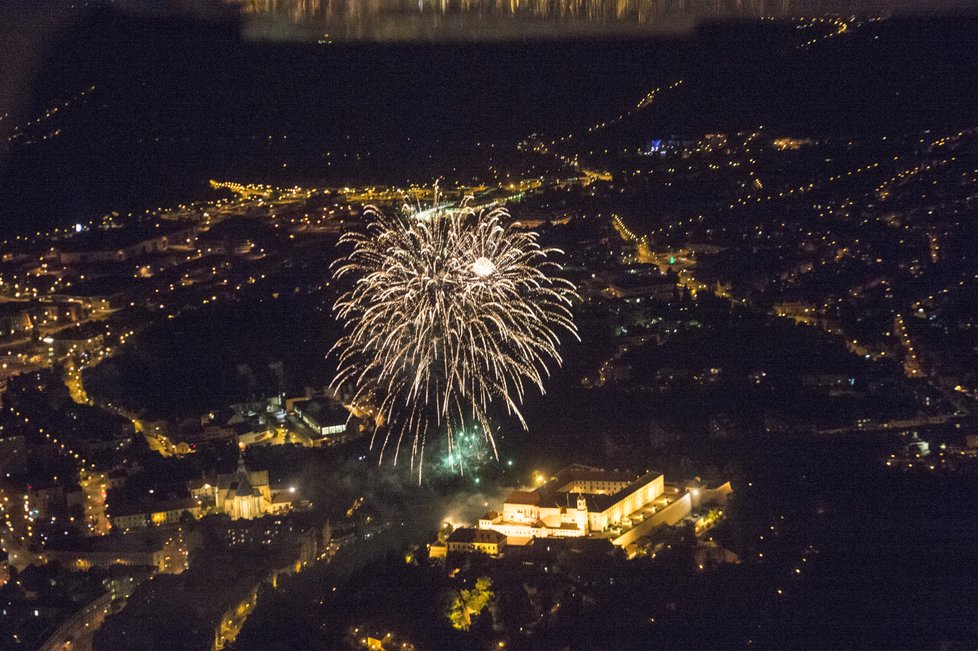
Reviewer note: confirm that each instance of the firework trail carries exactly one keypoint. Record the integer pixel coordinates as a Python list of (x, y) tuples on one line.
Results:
[(452, 310)]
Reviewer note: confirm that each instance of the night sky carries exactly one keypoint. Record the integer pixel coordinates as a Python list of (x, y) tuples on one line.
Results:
[(179, 100)]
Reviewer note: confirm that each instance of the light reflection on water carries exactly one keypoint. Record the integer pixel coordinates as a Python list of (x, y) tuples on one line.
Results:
[(382, 20)]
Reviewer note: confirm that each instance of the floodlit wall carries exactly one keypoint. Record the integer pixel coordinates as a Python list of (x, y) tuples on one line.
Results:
[(667, 516), (520, 512), (594, 486), (716, 495), (635, 500), (520, 531)]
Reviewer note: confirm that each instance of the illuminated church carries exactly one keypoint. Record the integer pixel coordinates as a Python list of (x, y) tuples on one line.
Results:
[(246, 494)]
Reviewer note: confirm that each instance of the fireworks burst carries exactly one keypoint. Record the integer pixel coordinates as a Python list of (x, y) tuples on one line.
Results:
[(451, 311)]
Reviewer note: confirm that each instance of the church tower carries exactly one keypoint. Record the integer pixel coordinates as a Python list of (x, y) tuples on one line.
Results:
[(581, 516)]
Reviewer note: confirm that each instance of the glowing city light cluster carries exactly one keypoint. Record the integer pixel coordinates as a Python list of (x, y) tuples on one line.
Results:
[(884, 189), (801, 189), (452, 310), (837, 25), (53, 439), (642, 103), (21, 134)]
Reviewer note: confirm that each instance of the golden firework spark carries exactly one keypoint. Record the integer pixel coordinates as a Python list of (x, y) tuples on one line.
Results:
[(452, 310)]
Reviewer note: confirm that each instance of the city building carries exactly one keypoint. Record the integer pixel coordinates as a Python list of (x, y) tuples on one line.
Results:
[(163, 551), (636, 282), (324, 417), (470, 539), (15, 319), (170, 510), (57, 312), (232, 424), (709, 553), (704, 493), (575, 502), (96, 433), (77, 340), (117, 245), (100, 294), (584, 501), (45, 496), (246, 494)]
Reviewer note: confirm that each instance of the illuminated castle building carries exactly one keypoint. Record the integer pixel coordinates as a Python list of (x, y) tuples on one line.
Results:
[(585, 501), (576, 501)]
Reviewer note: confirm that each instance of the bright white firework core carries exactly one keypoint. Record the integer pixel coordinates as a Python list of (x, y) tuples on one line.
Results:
[(483, 267), (447, 317)]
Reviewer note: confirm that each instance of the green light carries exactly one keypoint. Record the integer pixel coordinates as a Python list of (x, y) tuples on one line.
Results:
[(672, 259)]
